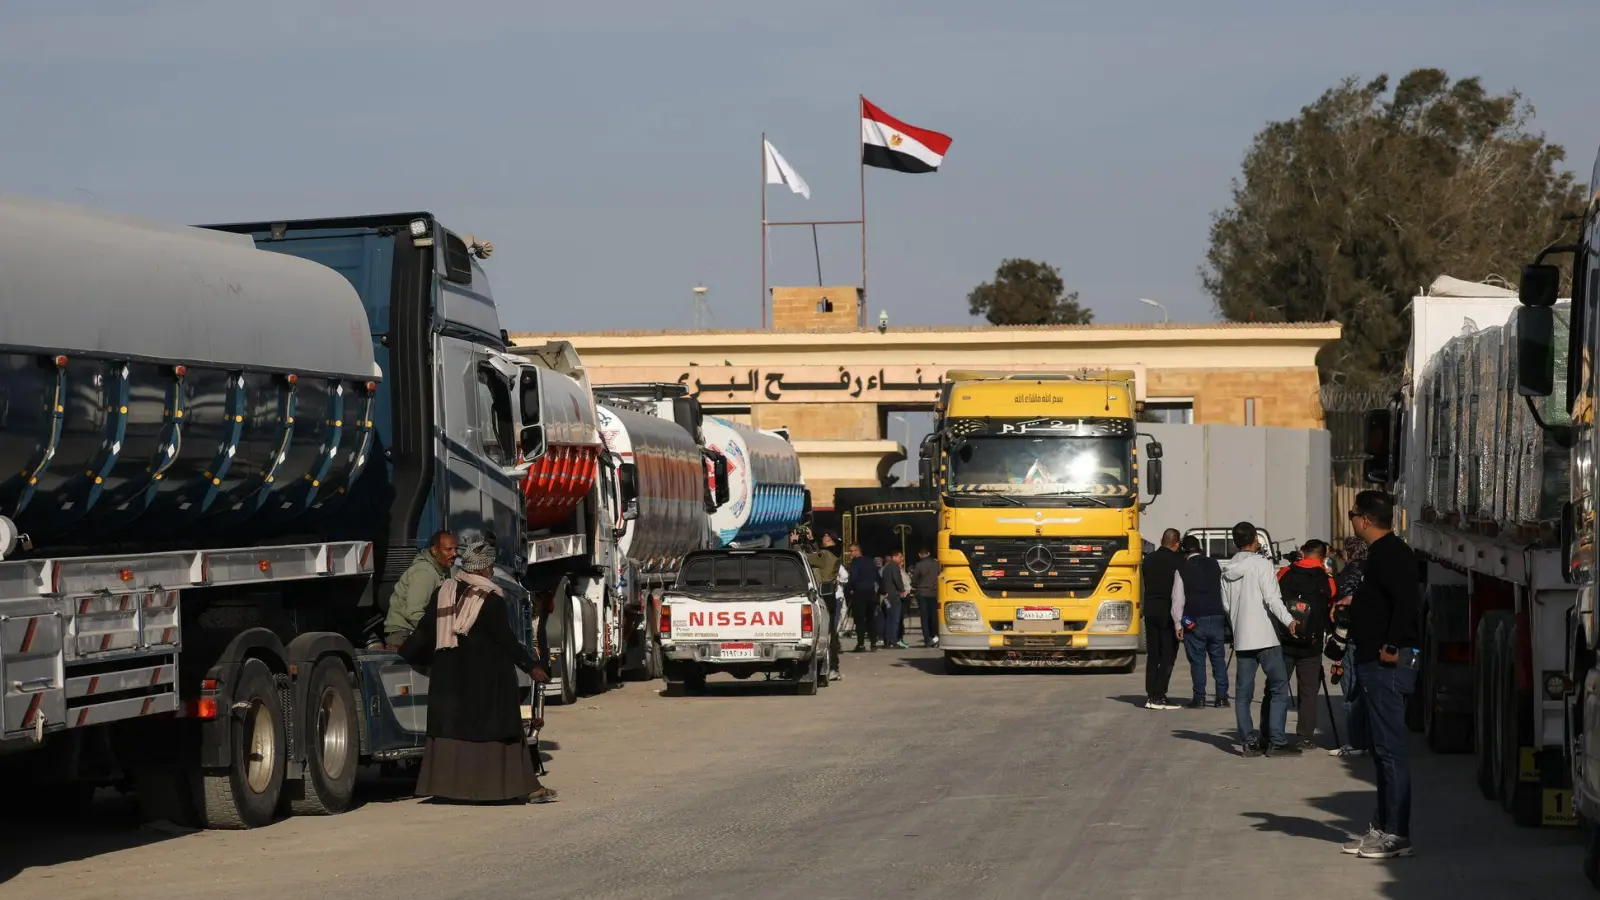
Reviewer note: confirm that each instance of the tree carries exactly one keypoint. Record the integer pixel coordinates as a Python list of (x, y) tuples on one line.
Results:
[(1025, 292), (1342, 213)]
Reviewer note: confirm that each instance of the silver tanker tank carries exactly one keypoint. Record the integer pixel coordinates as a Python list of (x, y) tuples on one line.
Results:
[(663, 464), (225, 395)]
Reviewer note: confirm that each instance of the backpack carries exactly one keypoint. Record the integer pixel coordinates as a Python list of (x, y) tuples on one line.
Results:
[(1306, 596)]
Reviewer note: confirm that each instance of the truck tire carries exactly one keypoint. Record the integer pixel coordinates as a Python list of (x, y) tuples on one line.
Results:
[(565, 659), (1445, 733), (1484, 700), (807, 686), (245, 795), (333, 746), (824, 666), (1127, 668), (1523, 800)]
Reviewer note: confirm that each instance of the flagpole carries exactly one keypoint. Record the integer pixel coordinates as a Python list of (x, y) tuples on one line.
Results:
[(861, 165), (763, 229)]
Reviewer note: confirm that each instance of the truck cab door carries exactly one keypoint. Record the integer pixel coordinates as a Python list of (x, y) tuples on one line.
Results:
[(477, 452)]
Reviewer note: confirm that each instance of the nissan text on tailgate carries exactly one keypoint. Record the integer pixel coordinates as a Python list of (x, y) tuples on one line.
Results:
[(744, 612)]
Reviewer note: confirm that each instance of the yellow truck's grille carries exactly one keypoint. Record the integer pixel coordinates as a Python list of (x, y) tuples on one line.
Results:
[(1039, 565)]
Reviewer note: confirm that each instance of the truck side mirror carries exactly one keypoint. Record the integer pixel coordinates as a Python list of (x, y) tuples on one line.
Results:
[(719, 473), (1536, 357), (628, 482), (927, 465), (630, 509), (1540, 286), (1375, 466), (1153, 473), (531, 441), (528, 395)]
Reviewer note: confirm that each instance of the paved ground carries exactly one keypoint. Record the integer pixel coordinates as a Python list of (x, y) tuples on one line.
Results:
[(896, 782)]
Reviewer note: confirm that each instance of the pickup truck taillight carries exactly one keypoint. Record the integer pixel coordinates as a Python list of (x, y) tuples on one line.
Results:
[(665, 625), (806, 625)]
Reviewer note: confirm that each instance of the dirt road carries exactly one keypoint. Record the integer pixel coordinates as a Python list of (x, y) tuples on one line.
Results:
[(896, 782)]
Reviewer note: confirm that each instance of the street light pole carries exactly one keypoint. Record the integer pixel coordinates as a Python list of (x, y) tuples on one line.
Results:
[(1148, 302)]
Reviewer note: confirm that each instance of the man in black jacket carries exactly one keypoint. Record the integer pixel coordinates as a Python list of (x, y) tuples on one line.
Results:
[(1198, 610), (862, 589), (1384, 628), (1159, 570)]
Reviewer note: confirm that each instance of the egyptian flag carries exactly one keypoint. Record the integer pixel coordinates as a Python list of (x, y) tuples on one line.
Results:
[(888, 143)]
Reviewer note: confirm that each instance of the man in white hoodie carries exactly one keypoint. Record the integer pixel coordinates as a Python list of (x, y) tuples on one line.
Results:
[(1251, 597)]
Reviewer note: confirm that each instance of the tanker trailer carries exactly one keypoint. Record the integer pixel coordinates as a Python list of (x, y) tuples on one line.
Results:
[(766, 497), (219, 460), (572, 539), (660, 478)]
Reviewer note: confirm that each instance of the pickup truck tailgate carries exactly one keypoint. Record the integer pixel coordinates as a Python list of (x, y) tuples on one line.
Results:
[(736, 620)]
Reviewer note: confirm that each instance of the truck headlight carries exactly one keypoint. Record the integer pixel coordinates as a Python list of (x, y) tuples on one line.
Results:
[(1114, 615), (962, 615)]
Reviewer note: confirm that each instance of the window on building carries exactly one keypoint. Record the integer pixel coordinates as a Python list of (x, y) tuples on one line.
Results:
[(1249, 410), (1169, 411), (824, 305)]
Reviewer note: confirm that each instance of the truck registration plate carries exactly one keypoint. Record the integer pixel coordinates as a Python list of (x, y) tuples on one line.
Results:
[(1038, 614), (742, 650)]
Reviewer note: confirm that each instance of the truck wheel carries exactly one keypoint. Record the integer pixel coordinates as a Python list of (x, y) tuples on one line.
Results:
[(1128, 667), (653, 660), (1483, 694), (824, 666), (1492, 642), (1523, 800), (566, 656), (245, 795), (334, 745), (807, 686)]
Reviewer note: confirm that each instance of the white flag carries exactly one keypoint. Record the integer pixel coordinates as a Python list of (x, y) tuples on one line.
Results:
[(780, 172)]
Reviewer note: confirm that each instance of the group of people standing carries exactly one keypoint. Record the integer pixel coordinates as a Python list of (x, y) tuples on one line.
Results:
[(877, 591), (1282, 622)]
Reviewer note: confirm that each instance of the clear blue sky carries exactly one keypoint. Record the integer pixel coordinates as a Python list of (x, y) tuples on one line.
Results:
[(610, 149)]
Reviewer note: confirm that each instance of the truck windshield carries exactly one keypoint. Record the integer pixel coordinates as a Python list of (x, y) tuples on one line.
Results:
[(1021, 465), (743, 573)]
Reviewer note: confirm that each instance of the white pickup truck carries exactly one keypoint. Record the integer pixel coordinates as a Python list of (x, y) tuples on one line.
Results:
[(744, 612)]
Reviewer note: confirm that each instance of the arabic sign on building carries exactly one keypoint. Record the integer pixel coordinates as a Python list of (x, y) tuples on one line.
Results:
[(806, 384)]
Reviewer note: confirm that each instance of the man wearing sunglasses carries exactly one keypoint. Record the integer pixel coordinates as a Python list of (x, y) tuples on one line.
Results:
[(1384, 628)]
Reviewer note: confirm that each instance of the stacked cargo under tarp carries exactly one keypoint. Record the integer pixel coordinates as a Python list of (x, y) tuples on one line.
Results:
[(1490, 465)]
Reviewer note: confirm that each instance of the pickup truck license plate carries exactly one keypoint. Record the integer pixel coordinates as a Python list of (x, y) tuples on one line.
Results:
[(1038, 614), (743, 650)]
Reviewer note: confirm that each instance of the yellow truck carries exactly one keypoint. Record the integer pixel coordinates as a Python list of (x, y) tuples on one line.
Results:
[(1039, 501)]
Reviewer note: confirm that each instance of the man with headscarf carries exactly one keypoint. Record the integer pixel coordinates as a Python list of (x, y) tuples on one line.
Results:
[(476, 748)]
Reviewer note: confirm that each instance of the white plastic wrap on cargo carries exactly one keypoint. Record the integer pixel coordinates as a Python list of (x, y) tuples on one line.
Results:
[(1488, 459), (1487, 426)]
